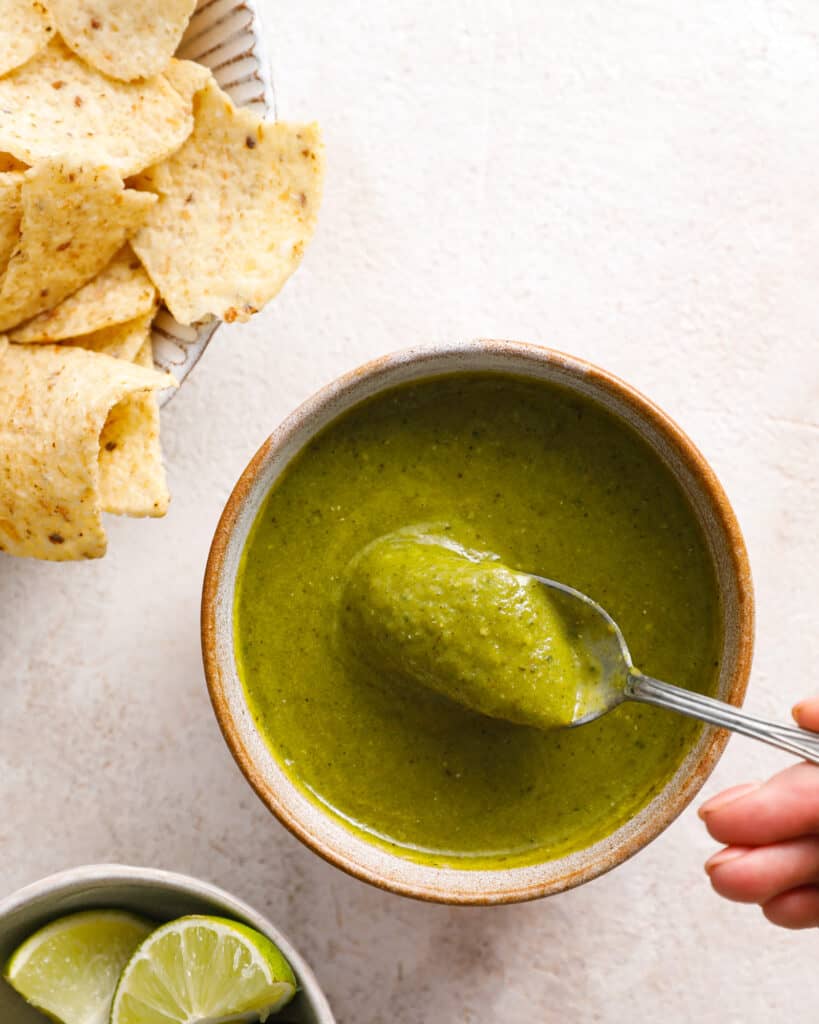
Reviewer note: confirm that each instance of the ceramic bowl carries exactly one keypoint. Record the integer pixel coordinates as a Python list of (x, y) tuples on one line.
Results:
[(157, 894), (226, 36), (307, 820)]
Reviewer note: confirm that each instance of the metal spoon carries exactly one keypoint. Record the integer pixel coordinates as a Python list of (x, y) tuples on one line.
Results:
[(599, 635)]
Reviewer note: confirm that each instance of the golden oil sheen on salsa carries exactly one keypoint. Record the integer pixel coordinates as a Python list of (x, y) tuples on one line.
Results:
[(554, 485)]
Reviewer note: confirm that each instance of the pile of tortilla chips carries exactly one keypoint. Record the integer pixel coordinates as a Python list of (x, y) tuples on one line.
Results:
[(128, 180)]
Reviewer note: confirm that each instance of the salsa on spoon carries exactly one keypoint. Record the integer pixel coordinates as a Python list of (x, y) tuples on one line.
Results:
[(419, 607)]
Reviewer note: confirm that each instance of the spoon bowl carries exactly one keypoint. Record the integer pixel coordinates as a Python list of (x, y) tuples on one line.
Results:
[(597, 636), (593, 631)]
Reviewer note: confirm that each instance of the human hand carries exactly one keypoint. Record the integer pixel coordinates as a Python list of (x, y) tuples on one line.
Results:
[(771, 836)]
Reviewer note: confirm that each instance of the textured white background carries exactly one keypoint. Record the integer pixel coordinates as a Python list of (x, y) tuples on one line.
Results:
[(635, 183)]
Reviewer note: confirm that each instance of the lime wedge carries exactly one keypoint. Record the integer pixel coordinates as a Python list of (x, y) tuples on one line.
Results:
[(203, 970), (70, 968)]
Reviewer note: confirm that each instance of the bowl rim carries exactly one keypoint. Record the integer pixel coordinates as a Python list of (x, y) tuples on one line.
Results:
[(378, 372), (78, 878)]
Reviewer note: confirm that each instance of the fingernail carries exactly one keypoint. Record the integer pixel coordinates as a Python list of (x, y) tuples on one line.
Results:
[(729, 853), (797, 709), (723, 799)]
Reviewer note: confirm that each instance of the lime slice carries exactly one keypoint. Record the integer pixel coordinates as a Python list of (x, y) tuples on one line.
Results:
[(70, 968), (203, 970)]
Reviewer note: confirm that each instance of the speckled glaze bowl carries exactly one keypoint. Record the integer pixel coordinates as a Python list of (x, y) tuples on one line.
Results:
[(316, 827), (157, 894)]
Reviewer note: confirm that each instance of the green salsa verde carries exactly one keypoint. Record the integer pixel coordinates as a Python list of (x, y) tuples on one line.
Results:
[(554, 485)]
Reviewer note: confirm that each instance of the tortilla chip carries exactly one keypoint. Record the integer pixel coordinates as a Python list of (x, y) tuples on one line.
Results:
[(122, 341), (54, 401), (75, 217), (27, 28), (132, 476), (237, 205), (187, 77), (124, 38), (57, 104), (120, 292), (11, 211)]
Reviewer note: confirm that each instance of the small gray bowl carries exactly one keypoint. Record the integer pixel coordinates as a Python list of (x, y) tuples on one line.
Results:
[(157, 894)]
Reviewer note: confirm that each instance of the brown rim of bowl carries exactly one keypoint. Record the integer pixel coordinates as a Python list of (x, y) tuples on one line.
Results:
[(692, 459)]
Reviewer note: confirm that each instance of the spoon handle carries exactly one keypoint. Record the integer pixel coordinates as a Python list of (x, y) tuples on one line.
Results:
[(663, 695)]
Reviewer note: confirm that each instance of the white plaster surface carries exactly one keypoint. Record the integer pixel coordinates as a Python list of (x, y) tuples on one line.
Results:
[(635, 183)]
